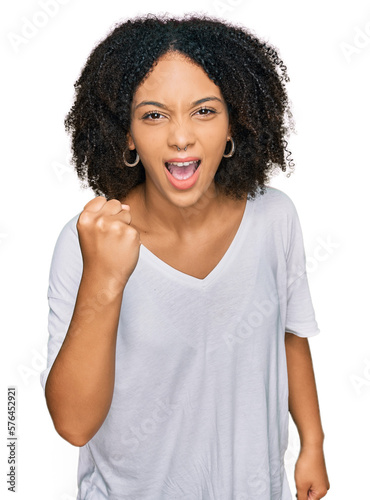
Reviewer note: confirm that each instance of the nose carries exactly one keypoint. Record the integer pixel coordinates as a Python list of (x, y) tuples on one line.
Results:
[(181, 135)]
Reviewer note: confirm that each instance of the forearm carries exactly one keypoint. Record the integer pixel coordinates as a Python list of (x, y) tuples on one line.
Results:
[(80, 384), (303, 400)]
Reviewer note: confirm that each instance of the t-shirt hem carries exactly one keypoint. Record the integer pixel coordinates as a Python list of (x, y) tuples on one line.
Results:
[(312, 333)]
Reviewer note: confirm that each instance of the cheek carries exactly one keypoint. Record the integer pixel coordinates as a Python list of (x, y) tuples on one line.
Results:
[(150, 150), (214, 133), (147, 141), (214, 143)]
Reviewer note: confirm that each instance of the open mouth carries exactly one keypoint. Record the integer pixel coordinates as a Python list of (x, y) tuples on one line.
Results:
[(182, 170)]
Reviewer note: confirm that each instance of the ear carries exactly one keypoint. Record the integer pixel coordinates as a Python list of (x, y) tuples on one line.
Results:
[(229, 132), (130, 141)]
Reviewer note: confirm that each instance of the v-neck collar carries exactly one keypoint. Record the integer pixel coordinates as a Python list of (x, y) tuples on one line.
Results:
[(189, 280)]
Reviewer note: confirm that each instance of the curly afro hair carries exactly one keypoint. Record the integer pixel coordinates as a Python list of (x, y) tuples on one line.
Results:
[(249, 73)]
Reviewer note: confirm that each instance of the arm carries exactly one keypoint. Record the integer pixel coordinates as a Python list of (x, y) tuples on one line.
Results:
[(310, 473), (80, 384), (79, 387)]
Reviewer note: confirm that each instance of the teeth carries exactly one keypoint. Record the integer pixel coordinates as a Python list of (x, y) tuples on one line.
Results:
[(182, 164)]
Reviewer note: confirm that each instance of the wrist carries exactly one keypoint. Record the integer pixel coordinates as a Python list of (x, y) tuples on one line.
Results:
[(100, 284), (313, 442)]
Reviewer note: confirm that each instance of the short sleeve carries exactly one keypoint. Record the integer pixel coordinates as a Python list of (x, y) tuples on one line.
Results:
[(64, 281), (300, 317)]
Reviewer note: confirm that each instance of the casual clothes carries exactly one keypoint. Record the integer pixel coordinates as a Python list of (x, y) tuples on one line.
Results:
[(200, 403)]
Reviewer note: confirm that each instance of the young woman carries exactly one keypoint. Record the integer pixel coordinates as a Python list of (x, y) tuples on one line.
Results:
[(179, 300)]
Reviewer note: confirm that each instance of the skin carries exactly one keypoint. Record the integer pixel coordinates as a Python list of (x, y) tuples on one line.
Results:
[(175, 225), (311, 477)]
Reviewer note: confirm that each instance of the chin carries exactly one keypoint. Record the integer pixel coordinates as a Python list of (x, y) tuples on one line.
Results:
[(192, 202)]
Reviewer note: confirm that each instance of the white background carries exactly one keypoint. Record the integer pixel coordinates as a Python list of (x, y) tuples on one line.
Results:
[(327, 51)]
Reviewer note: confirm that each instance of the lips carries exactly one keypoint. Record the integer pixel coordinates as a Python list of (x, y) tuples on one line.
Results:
[(182, 174), (182, 170)]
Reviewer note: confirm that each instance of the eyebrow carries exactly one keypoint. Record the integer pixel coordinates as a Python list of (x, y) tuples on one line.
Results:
[(163, 106)]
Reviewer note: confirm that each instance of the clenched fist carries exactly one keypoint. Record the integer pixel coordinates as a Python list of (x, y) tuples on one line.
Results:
[(109, 245)]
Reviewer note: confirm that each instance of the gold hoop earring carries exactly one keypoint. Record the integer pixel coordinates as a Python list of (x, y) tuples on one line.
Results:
[(229, 155), (137, 159)]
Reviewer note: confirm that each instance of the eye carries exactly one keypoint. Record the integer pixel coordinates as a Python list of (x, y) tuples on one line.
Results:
[(152, 116), (205, 112)]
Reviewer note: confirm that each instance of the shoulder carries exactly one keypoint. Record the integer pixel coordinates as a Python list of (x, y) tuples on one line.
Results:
[(277, 197), (66, 263), (68, 236), (276, 204), (277, 214)]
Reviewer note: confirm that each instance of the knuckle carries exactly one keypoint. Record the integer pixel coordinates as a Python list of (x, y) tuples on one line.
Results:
[(101, 223), (116, 226), (132, 233), (84, 219), (127, 217), (322, 492), (95, 202), (98, 200), (114, 203)]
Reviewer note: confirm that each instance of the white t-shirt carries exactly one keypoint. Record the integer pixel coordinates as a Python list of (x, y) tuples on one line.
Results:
[(200, 403)]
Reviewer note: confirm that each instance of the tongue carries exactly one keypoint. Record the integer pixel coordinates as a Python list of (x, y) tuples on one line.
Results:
[(182, 173)]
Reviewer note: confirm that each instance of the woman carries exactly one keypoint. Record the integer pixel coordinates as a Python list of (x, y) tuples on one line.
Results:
[(179, 301)]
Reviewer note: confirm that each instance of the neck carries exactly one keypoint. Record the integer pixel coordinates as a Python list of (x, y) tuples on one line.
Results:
[(161, 214)]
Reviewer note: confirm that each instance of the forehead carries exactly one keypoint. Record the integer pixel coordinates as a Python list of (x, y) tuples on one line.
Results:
[(175, 75)]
